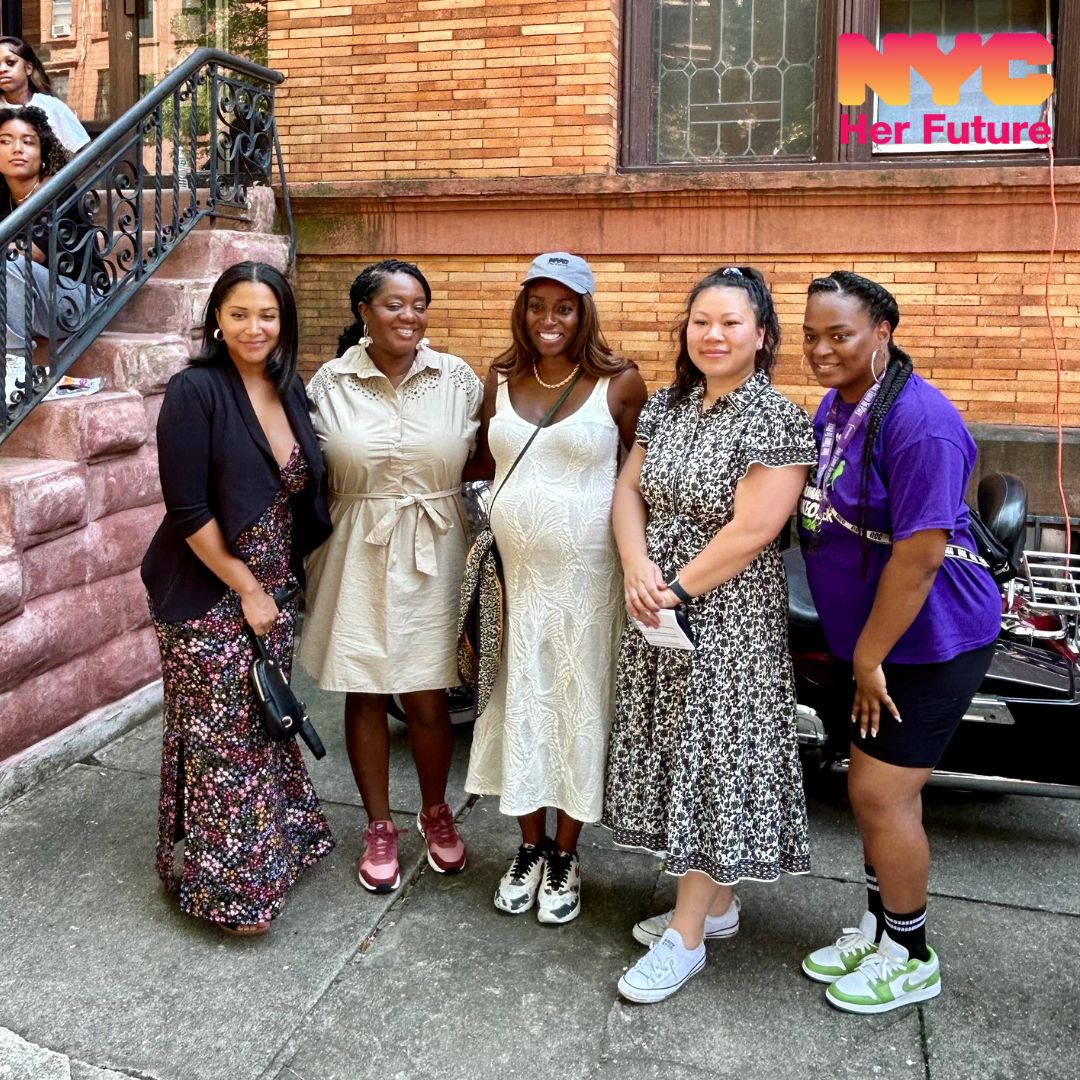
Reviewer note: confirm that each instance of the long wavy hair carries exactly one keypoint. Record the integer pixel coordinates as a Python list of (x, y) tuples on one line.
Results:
[(687, 373), (367, 284), (281, 363), (53, 155), (589, 347), (39, 77), (880, 306)]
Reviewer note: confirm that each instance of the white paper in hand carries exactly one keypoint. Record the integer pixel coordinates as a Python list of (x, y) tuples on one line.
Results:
[(672, 631)]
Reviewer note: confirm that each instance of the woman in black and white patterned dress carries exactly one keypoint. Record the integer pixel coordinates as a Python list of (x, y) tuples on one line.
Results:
[(703, 763)]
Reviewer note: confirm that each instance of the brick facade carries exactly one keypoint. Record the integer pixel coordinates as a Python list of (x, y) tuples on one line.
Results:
[(470, 135), (973, 324), (381, 89)]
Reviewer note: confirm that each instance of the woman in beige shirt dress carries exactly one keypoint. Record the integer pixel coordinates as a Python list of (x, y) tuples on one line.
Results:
[(396, 421)]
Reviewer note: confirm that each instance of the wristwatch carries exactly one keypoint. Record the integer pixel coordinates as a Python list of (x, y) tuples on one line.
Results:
[(676, 587)]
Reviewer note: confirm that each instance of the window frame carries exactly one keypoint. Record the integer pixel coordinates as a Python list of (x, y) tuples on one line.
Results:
[(835, 17)]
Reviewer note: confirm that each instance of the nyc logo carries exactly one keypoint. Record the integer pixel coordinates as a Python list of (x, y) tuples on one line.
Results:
[(888, 73)]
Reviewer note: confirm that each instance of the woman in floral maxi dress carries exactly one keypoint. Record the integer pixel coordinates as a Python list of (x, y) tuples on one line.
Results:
[(244, 488)]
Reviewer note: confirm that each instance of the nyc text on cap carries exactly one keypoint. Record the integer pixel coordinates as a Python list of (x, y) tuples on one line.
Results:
[(569, 270)]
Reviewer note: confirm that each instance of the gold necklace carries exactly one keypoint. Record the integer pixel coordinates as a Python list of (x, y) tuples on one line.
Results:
[(18, 201), (549, 385)]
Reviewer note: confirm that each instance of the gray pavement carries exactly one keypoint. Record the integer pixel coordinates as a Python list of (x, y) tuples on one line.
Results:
[(102, 978)]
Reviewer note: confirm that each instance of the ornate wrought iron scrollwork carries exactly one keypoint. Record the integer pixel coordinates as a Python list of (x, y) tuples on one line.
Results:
[(100, 228)]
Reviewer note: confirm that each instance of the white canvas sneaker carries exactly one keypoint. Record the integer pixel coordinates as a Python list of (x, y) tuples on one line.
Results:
[(650, 931), (663, 970)]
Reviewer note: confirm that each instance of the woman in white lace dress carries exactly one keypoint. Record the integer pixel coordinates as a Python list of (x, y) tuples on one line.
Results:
[(542, 740)]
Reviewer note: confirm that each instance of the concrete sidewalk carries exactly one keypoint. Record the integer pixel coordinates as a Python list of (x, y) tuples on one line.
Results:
[(102, 978)]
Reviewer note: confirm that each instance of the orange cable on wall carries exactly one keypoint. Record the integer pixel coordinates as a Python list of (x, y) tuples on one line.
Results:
[(1057, 359)]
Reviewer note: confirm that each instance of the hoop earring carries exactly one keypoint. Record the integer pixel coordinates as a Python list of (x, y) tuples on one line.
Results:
[(873, 374), (218, 335), (365, 339)]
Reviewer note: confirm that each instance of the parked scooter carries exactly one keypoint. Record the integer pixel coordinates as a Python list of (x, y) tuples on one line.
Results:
[(1021, 734)]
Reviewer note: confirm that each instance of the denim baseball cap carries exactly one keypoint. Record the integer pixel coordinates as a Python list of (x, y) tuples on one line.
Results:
[(569, 270)]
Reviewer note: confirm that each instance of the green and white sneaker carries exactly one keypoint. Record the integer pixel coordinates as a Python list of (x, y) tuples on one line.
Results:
[(886, 980), (845, 954)]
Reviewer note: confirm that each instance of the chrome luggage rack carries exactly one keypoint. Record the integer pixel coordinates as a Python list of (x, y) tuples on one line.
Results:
[(1049, 581)]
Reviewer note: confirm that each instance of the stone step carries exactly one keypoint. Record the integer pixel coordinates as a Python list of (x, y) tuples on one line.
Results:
[(258, 217), (82, 429), (45, 702), (128, 361), (165, 306), (201, 254)]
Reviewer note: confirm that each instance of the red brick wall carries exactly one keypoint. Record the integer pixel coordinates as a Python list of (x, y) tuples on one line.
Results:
[(379, 89)]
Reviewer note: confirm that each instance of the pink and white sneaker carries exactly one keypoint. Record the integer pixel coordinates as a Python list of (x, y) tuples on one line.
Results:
[(378, 870), (445, 850)]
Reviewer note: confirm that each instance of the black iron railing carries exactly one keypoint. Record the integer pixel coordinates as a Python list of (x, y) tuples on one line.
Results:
[(97, 231)]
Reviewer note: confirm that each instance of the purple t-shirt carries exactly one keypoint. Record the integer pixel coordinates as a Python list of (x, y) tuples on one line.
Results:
[(919, 472)]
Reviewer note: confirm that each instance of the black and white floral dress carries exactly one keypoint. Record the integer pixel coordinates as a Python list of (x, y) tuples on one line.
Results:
[(703, 762)]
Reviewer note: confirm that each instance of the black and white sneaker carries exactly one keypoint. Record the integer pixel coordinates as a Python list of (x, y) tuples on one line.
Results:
[(517, 889), (559, 899)]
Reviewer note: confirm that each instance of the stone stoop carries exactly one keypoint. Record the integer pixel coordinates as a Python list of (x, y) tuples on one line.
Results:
[(79, 501)]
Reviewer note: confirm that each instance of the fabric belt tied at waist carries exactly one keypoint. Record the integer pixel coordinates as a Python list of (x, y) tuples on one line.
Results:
[(429, 521)]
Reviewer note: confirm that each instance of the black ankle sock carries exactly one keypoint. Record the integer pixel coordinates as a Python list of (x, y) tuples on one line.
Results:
[(873, 900), (910, 931)]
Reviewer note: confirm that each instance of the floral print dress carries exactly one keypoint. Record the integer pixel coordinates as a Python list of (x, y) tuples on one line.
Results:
[(243, 805), (703, 762)]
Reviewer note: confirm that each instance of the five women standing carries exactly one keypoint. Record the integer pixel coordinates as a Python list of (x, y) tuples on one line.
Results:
[(703, 764)]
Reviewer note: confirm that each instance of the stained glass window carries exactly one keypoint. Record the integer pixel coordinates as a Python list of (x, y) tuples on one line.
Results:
[(735, 79)]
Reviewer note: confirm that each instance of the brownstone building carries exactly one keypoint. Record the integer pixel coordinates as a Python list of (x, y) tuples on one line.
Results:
[(661, 138)]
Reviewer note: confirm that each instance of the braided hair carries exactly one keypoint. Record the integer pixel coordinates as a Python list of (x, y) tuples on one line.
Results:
[(687, 373), (880, 306), (366, 285)]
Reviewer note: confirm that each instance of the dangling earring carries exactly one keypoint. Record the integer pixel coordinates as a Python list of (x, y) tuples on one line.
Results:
[(873, 374), (218, 335), (802, 364), (365, 340)]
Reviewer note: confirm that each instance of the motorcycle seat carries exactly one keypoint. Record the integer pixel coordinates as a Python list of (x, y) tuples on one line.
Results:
[(802, 614), (1002, 503)]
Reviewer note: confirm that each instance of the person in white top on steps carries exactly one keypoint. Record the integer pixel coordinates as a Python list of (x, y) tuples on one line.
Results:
[(23, 81), (542, 739)]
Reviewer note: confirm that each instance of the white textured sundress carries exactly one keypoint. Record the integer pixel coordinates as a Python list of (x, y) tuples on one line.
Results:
[(542, 740)]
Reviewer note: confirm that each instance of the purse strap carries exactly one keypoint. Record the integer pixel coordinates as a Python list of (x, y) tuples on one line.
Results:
[(536, 431)]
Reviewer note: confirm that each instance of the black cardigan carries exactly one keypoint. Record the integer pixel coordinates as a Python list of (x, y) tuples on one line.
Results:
[(215, 462)]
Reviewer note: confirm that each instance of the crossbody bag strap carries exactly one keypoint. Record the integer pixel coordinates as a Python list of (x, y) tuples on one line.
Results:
[(536, 431)]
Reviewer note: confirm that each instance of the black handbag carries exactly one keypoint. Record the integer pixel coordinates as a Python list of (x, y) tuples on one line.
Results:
[(1003, 567), (284, 714), (481, 613)]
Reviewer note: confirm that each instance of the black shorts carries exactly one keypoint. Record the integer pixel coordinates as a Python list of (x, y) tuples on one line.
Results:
[(931, 699)]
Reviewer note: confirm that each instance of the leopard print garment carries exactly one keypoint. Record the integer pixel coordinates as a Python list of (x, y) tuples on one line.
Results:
[(703, 762), (481, 618)]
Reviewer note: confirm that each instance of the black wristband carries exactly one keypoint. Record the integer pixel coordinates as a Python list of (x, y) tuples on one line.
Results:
[(676, 587)]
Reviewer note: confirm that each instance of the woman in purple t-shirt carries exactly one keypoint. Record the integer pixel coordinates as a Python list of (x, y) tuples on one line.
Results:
[(909, 611)]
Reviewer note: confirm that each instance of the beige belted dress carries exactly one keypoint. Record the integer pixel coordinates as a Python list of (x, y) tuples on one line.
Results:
[(382, 594)]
